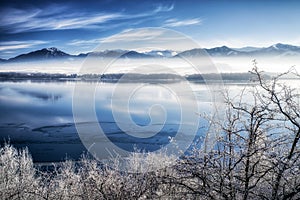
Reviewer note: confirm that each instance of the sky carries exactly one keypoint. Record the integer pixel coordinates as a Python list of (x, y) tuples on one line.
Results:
[(81, 26)]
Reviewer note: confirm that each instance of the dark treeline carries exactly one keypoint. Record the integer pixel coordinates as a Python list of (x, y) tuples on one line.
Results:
[(128, 77), (18, 75)]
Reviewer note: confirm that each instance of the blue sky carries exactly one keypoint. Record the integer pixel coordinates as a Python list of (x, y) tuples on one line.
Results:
[(80, 26)]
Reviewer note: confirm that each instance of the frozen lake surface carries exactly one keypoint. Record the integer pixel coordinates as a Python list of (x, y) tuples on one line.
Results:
[(38, 115)]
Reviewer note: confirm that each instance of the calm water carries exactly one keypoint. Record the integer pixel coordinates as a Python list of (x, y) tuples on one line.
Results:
[(39, 115)]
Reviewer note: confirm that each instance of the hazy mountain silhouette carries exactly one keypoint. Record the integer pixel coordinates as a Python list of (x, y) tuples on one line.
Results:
[(54, 53), (46, 53)]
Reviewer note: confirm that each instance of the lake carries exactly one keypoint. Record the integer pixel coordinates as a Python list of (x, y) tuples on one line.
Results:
[(40, 115)]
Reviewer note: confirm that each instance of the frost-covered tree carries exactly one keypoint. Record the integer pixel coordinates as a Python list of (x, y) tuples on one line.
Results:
[(17, 174), (256, 155), (283, 101)]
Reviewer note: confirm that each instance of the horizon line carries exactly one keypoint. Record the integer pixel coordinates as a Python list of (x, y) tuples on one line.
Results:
[(139, 51)]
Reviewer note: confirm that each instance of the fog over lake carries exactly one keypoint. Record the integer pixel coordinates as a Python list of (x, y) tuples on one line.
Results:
[(180, 66)]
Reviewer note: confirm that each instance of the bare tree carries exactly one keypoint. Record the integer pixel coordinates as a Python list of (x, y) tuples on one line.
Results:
[(256, 155), (283, 102)]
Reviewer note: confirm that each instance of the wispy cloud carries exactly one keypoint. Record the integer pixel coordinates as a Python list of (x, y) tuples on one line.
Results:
[(164, 8), (81, 43), (136, 35), (15, 45), (56, 17), (146, 39), (177, 23), (130, 36), (16, 20)]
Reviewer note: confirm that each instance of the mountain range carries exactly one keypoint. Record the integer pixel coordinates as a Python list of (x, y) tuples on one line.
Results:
[(54, 53)]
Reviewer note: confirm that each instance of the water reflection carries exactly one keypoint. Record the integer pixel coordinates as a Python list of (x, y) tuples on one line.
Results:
[(39, 115), (40, 95)]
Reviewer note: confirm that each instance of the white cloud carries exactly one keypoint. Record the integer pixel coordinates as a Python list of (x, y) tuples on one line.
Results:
[(187, 22), (17, 20), (129, 36), (14, 45), (57, 17), (11, 47), (134, 35), (80, 22), (84, 42), (164, 8), (143, 39)]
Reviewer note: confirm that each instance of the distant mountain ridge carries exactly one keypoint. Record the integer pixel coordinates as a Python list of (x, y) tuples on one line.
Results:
[(54, 53), (106, 53), (279, 49), (46, 53), (274, 50)]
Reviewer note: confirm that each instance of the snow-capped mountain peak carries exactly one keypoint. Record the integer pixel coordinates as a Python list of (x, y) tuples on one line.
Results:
[(52, 49)]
